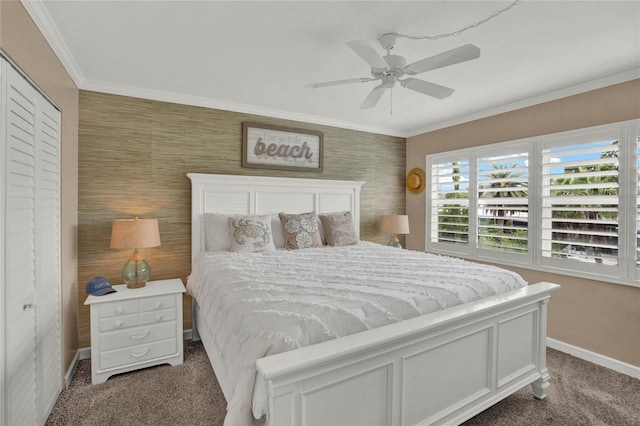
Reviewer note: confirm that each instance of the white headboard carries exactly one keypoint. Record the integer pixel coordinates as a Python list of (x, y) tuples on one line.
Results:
[(230, 194)]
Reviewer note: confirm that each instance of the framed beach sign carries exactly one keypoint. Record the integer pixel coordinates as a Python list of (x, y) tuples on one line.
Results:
[(275, 147)]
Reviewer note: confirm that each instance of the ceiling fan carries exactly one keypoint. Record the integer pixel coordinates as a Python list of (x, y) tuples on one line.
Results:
[(390, 68)]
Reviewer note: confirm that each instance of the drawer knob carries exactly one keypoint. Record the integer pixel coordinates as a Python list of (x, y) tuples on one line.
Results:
[(117, 324), (158, 304), (119, 310), (140, 354), (158, 317), (141, 336)]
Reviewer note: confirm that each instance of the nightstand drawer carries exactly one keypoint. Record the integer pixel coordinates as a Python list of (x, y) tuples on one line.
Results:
[(158, 302), (118, 308), (157, 316), (139, 353), (119, 322), (137, 336)]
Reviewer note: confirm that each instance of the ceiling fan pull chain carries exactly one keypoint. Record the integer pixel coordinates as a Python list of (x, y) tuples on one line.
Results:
[(391, 103), (461, 30)]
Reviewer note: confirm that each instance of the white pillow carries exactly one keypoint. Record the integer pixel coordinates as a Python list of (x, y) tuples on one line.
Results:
[(278, 232), (216, 232), (251, 233)]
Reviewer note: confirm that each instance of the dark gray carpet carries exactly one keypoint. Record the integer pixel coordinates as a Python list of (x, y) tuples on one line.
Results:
[(581, 393)]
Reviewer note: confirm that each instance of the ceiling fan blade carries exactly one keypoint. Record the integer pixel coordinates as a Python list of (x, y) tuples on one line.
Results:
[(444, 59), (366, 51), (424, 87), (337, 82), (374, 96)]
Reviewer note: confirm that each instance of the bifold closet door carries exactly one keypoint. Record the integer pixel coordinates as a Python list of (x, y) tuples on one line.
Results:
[(31, 266), (20, 249), (48, 366)]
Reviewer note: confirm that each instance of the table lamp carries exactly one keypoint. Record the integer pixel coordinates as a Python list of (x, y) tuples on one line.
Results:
[(394, 224), (135, 234)]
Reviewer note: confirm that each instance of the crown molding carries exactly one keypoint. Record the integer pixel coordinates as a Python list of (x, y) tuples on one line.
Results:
[(43, 21), (159, 95), (577, 89), (47, 27), (45, 24)]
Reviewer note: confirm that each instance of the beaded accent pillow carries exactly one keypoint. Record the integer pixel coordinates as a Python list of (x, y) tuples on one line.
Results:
[(339, 229), (300, 230)]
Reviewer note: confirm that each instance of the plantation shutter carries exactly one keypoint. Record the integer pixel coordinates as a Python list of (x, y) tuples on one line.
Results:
[(503, 202), (450, 202), (580, 201)]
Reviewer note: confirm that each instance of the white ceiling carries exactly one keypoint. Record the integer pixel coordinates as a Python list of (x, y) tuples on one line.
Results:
[(257, 56)]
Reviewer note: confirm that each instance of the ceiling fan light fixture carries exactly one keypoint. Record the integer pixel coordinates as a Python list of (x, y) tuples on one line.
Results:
[(395, 67)]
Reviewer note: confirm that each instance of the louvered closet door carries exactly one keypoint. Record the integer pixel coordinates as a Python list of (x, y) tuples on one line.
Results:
[(31, 265), (20, 249), (47, 257)]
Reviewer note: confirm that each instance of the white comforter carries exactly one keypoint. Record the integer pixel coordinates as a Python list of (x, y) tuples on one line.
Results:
[(259, 304)]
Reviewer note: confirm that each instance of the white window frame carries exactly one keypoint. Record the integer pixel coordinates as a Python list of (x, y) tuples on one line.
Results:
[(626, 272)]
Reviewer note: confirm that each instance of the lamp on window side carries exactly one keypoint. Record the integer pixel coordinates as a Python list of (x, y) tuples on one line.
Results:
[(394, 224), (135, 234)]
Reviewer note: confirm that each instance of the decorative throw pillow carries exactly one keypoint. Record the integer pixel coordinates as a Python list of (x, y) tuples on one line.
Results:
[(251, 233), (300, 230), (339, 229)]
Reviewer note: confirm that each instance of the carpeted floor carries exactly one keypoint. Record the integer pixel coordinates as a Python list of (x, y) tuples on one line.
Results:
[(581, 394)]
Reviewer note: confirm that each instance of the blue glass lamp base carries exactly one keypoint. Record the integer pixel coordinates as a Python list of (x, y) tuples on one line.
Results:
[(136, 271), (394, 242)]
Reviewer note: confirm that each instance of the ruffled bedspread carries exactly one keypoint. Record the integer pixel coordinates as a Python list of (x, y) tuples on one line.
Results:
[(259, 304)]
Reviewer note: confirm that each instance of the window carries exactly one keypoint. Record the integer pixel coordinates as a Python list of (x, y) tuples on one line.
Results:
[(580, 201), (565, 203), (503, 202), (450, 202)]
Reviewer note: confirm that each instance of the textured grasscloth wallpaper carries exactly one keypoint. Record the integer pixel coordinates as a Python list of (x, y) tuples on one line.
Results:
[(134, 155)]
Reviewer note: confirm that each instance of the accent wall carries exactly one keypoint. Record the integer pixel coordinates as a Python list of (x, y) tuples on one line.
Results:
[(134, 155)]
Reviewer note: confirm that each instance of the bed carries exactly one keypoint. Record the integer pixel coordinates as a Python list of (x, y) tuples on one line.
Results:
[(438, 367)]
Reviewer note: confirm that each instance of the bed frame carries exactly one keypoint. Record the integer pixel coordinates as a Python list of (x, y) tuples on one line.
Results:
[(440, 368)]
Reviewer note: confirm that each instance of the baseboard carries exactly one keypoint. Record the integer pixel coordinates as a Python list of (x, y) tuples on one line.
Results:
[(82, 353), (71, 370), (605, 361)]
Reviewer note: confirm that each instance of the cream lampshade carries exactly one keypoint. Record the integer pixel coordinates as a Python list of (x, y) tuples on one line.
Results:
[(394, 224), (135, 234)]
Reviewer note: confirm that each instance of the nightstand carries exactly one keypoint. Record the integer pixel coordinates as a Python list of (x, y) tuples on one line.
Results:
[(136, 328)]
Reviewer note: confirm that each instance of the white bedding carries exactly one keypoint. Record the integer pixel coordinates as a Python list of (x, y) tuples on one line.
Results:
[(259, 304)]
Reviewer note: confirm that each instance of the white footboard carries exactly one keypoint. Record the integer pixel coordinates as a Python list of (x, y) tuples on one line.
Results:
[(441, 368)]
